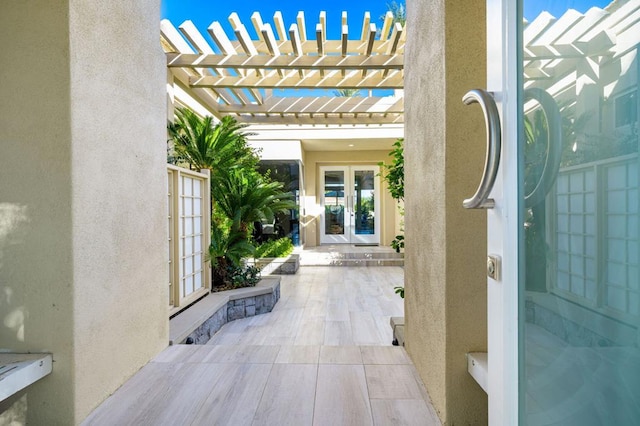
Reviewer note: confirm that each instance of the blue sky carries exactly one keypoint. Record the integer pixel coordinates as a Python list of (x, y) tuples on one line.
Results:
[(532, 8), (203, 12)]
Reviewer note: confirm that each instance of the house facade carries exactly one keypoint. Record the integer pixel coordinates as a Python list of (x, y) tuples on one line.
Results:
[(287, 89), (83, 196)]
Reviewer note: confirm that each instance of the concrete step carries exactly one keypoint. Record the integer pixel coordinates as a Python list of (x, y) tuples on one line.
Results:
[(352, 259)]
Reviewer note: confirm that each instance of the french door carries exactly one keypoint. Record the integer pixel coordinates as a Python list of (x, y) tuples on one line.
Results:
[(563, 286), (350, 205)]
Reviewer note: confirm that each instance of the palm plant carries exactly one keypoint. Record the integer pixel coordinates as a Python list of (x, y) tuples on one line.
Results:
[(228, 247), (239, 194), (399, 11), (246, 197), (204, 145), (347, 93)]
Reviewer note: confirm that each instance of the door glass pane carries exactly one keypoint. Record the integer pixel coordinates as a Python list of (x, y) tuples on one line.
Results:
[(580, 313), (363, 202), (334, 202)]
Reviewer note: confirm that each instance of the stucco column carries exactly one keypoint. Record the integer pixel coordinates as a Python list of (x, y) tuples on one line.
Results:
[(83, 197), (445, 254)]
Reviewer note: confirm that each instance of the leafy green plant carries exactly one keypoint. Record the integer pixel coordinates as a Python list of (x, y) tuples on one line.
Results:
[(246, 197), (243, 276), (275, 248), (219, 147), (399, 290), (240, 194), (228, 247), (393, 174), (398, 243)]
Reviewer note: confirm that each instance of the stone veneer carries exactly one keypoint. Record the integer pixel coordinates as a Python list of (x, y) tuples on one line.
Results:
[(201, 321), (278, 265)]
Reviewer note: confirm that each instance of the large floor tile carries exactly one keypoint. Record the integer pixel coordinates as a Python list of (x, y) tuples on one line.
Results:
[(392, 382), (288, 397), (384, 355), (338, 333), (306, 354), (243, 354), (341, 396), (340, 355), (235, 398), (402, 412), (321, 357)]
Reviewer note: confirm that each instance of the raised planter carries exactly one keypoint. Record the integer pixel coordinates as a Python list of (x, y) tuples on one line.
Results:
[(277, 265), (199, 322)]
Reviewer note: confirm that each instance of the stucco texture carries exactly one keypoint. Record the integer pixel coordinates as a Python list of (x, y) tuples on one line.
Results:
[(445, 252), (83, 239)]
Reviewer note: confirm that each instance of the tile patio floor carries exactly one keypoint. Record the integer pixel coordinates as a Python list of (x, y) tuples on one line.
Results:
[(322, 357)]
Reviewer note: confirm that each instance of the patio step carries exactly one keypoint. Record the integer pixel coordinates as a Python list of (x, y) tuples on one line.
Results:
[(352, 258)]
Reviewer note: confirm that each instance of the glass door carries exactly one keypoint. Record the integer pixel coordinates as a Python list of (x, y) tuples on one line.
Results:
[(564, 313), (335, 222), (350, 205)]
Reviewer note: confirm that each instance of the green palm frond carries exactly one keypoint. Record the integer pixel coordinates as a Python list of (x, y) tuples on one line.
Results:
[(207, 145), (247, 197)]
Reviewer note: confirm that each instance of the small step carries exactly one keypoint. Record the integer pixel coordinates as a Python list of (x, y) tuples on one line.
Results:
[(356, 258), (397, 325)]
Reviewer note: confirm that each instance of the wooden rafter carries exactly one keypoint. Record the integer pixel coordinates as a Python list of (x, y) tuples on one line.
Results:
[(311, 81), (235, 74), (299, 105), (288, 62)]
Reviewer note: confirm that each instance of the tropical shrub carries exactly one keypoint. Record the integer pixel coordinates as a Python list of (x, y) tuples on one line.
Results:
[(240, 195), (243, 276), (226, 251), (201, 144), (246, 197), (393, 174)]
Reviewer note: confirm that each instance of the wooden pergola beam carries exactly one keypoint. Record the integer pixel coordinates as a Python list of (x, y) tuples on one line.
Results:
[(312, 81), (321, 119), (288, 62), (237, 78), (295, 105)]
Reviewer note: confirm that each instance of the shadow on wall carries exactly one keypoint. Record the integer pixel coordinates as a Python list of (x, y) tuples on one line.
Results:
[(13, 221)]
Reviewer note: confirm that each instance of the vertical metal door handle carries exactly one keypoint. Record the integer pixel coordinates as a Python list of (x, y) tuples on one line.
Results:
[(554, 145), (480, 199)]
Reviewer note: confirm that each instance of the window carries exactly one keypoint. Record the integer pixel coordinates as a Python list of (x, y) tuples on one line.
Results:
[(626, 109)]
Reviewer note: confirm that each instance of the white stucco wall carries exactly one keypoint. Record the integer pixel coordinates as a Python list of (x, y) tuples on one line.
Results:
[(82, 196)]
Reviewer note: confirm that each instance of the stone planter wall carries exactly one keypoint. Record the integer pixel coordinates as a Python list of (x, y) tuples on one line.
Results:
[(278, 265), (198, 323)]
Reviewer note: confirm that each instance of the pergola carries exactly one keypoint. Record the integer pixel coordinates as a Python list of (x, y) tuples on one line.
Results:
[(240, 75)]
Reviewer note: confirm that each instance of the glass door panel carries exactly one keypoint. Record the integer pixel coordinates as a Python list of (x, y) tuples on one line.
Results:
[(579, 289), (334, 202), (364, 202), (350, 204), (365, 205)]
